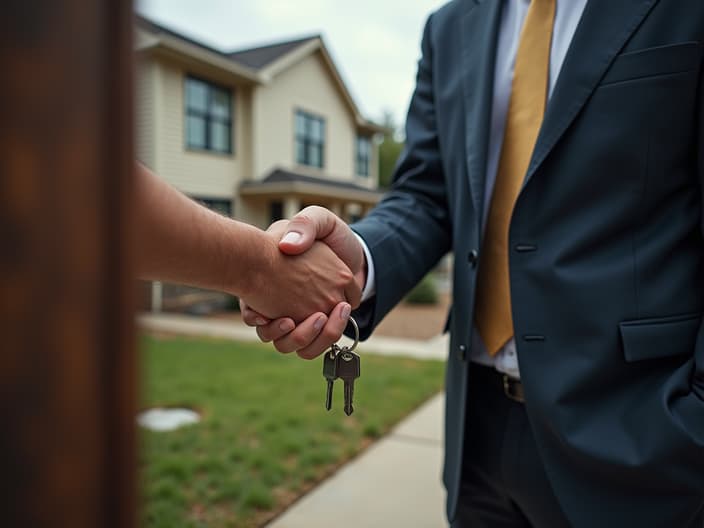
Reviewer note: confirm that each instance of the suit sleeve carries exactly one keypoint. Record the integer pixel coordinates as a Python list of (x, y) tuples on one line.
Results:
[(409, 230)]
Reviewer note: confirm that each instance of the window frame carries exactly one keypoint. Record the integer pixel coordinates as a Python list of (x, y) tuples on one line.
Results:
[(359, 160), (276, 210), (306, 140), (216, 205), (207, 116)]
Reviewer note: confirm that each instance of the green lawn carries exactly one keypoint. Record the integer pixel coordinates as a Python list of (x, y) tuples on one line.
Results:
[(265, 437)]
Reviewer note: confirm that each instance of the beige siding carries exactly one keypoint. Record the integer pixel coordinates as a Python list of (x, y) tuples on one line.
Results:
[(196, 173), (255, 211), (309, 86), (145, 96), (374, 169)]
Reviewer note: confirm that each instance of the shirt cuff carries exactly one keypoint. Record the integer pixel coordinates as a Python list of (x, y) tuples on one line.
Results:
[(369, 290)]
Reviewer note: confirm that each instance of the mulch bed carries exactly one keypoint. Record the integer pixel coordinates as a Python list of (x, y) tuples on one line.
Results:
[(415, 321)]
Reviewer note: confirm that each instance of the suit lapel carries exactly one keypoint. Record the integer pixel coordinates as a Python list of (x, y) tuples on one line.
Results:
[(480, 26), (604, 29)]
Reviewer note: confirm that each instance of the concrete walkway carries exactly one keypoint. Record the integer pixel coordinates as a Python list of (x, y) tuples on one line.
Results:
[(396, 482), (435, 348)]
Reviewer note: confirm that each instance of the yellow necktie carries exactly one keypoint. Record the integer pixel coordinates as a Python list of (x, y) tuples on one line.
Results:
[(525, 114)]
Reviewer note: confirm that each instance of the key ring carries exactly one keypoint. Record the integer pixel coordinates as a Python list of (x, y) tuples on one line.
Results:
[(336, 349), (356, 334)]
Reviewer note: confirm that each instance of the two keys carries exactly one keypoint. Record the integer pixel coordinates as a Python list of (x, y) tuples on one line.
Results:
[(342, 363)]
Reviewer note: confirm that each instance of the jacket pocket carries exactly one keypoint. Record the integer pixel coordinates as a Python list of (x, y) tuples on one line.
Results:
[(650, 62), (660, 337)]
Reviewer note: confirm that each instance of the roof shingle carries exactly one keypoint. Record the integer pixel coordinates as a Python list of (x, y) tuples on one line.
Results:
[(286, 176), (260, 57), (254, 58)]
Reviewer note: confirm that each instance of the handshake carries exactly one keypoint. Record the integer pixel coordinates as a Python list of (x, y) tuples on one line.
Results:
[(297, 282), (313, 269)]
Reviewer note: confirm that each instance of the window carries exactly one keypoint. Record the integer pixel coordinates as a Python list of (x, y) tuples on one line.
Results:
[(310, 139), (364, 155), (208, 116), (276, 211), (223, 207)]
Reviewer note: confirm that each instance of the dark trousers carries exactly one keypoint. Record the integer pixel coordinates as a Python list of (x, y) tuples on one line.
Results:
[(504, 484)]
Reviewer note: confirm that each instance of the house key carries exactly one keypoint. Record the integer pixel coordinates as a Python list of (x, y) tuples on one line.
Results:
[(347, 369), (342, 363)]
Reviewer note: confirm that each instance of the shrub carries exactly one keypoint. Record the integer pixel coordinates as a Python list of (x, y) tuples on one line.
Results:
[(425, 292), (232, 304)]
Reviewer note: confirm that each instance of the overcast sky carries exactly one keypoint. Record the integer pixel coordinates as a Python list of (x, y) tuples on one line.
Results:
[(374, 43)]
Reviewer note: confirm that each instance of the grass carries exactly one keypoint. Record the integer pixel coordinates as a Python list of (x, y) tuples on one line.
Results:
[(265, 437)]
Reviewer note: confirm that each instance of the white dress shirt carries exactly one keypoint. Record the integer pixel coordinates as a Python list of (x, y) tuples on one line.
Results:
[(567, 16)]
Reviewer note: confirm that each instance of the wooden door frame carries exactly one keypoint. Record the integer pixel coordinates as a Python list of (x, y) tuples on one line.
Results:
[(68, 374)]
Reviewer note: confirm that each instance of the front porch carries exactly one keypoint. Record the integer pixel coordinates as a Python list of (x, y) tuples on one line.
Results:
[(283, 193)]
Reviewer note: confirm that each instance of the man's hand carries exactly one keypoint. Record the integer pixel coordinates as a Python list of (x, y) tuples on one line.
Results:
[(298, 286), (318, 332), (316, 223)]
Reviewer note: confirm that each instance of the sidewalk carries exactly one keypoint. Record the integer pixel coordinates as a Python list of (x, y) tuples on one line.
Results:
[(396, 482), (435, 348)]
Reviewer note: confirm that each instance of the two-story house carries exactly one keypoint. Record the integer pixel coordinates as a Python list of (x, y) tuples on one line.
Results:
[(258, 133), (255, 134)]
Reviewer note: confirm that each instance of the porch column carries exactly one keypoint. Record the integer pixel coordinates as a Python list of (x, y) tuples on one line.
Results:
[(352, 210), (336, 208), (157, 296), (291, 206)]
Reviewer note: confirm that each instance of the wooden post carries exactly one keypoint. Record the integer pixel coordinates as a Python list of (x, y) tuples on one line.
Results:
[(67, 363)]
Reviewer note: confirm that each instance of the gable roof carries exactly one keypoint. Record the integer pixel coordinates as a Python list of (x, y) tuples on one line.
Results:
[(259, 64), (262, 56), (153, 37), (153, 27)]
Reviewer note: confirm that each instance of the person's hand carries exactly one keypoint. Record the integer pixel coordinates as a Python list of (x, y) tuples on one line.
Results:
[(318, 332), (298, 286), (317, 223), (308, 339)]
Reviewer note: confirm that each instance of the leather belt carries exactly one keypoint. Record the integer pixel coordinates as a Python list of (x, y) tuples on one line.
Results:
[(511, 387)]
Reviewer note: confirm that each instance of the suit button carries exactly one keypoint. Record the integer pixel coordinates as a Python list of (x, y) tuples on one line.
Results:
[(462, 352), (473, 258)]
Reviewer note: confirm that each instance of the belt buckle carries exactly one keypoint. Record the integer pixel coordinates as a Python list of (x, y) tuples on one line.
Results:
[(513, 389)]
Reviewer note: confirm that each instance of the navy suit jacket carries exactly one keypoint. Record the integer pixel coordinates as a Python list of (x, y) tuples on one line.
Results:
[(606, 250)]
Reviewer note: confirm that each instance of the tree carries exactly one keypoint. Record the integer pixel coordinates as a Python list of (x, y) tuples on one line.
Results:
[(389, 149)]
